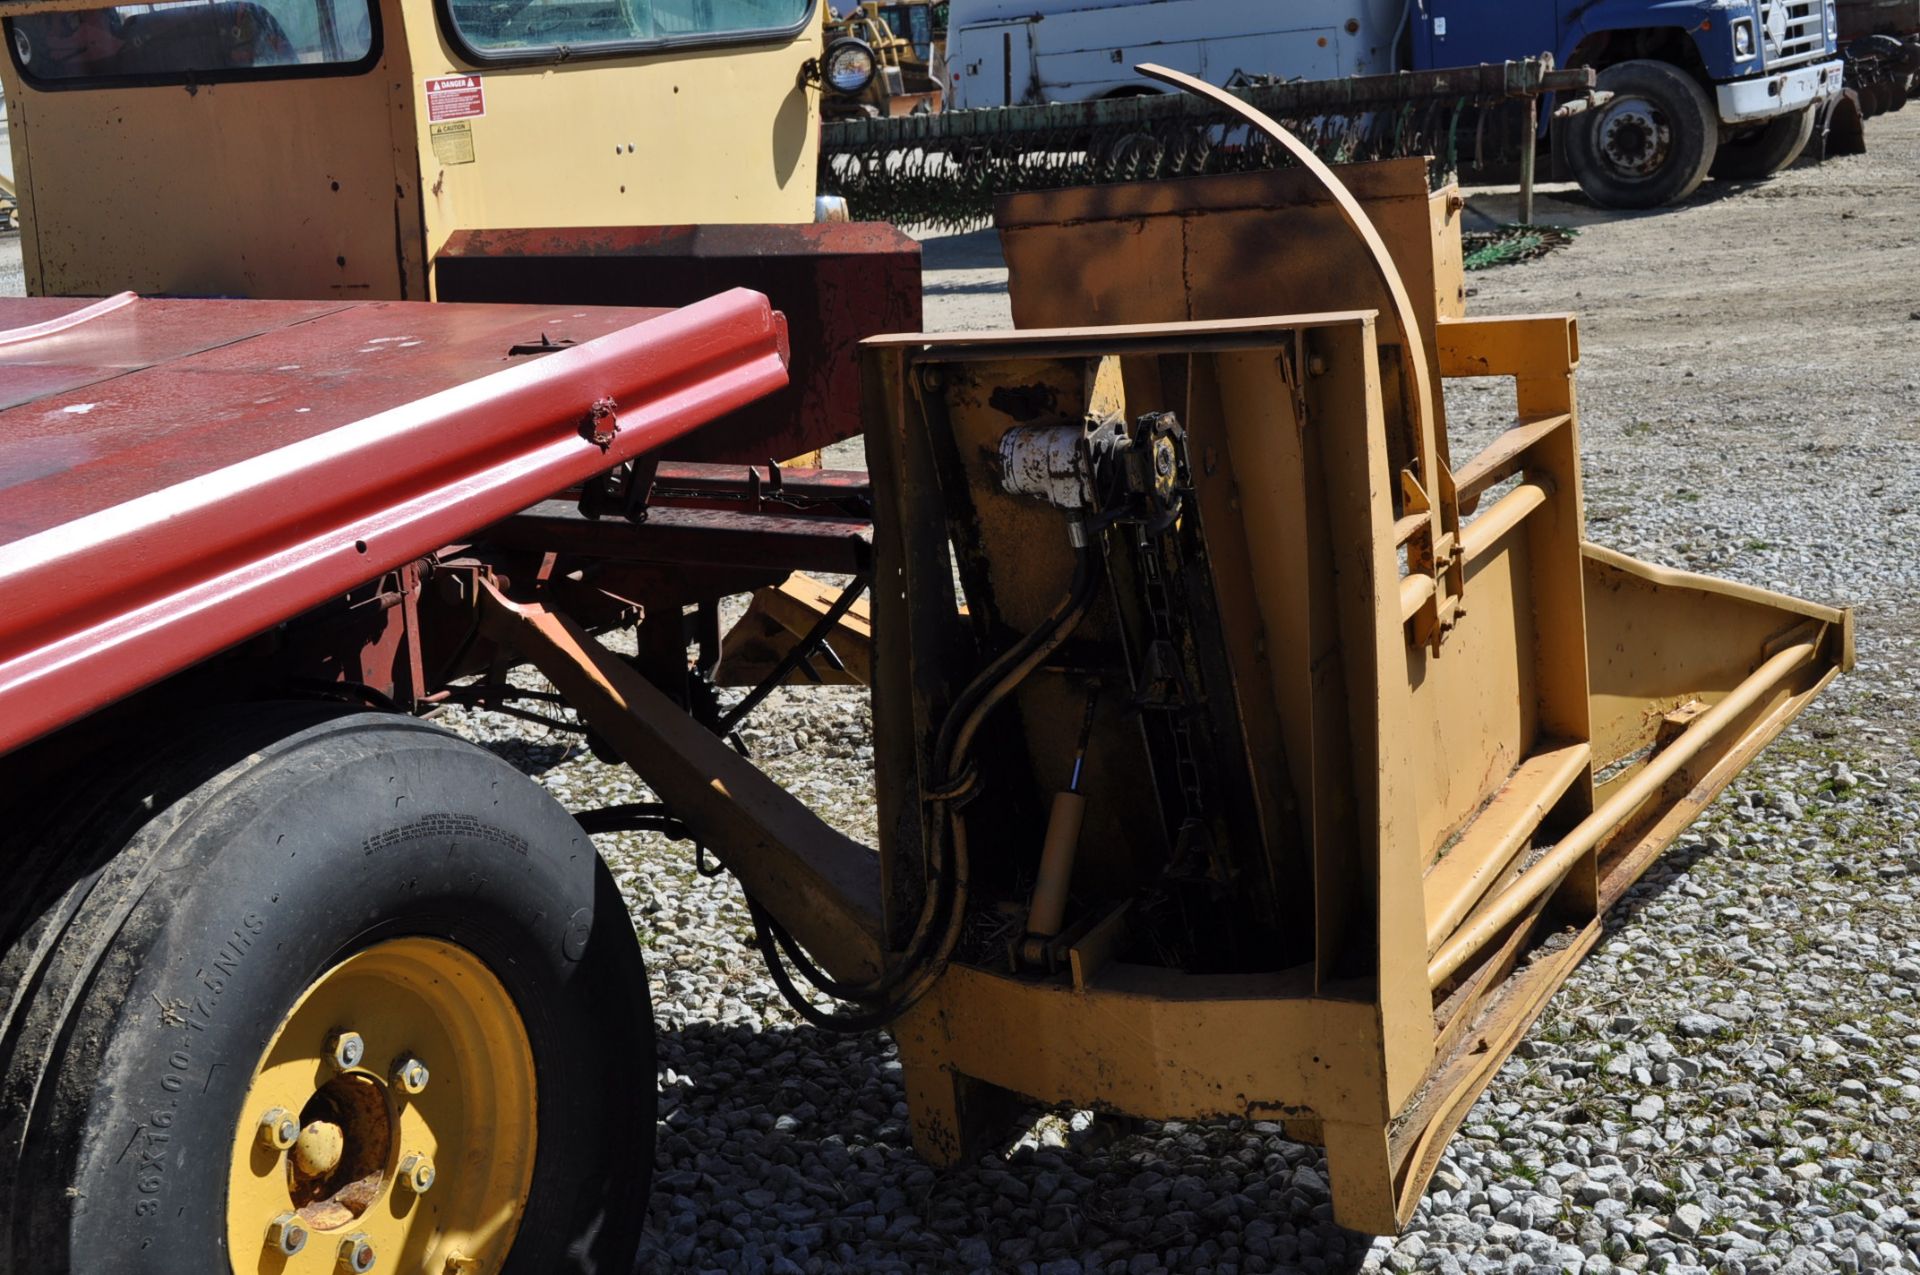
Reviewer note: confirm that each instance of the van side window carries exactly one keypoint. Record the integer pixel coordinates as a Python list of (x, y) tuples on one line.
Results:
[(191, 40)]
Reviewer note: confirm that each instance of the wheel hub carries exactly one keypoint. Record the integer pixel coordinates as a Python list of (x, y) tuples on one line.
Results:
[(319, 1149), (409, 1070), (1634, 138)]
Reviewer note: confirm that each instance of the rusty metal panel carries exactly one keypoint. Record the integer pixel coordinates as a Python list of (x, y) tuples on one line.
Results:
[(230, 477), (837, 283), (1230, 246)]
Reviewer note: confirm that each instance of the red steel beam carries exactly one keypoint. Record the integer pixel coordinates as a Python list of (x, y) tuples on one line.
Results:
[(115, 598), (701, 538)]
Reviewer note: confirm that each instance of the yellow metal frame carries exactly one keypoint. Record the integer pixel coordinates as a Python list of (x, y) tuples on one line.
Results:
[(341, 186), (474, 1121), (1453, 800)]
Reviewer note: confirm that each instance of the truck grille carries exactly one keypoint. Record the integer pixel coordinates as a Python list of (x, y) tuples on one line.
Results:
[(1806, 31)]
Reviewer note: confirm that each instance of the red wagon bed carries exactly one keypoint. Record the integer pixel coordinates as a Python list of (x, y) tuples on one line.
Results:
[(176, 476)]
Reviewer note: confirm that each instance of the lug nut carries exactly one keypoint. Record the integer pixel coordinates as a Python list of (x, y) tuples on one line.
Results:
[(411, 1075), (346, 1049), (416, 1173), (356, 1254), (278, 1130), (285, 1235)]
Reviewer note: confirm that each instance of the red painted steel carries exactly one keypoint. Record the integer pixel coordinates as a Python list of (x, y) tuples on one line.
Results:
[(694, 538), (837, 282), (176, 476)]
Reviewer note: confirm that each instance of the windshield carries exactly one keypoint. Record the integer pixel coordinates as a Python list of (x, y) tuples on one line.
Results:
[(191, 39), (507, 27)]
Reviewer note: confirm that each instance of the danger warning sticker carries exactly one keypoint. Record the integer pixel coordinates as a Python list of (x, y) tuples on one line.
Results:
[(455, 97)]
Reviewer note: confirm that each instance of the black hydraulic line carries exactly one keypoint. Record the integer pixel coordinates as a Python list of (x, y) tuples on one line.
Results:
[(936, 915), (525, 715), (927, 958), (633, 816)]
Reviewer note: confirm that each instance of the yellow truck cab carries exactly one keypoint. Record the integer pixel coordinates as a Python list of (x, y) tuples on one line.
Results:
[(329, 148)]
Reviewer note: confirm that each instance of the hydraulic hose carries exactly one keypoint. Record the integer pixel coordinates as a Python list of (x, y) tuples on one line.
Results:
[(943, 915)]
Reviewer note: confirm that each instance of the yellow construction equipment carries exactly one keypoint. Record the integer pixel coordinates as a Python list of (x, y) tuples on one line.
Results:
[(898, 77), (1363, 740), (329, 148)]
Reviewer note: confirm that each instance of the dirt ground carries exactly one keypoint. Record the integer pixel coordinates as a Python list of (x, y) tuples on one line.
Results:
[(1750, 285)]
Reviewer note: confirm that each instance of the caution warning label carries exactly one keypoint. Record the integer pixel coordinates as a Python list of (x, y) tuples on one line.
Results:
[(455, 97), (452, 143)]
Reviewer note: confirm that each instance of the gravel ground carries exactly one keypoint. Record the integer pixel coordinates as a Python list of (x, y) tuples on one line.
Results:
[(1728, 1083)]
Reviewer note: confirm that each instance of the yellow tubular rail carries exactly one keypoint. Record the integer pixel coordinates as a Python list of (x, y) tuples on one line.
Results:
[(1513, 902)]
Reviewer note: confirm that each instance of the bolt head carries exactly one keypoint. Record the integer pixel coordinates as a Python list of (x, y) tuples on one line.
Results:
[(278, 1129), (356, 1254), (346, 1049), (411, 1075), (416, 1173), (285, 1235)]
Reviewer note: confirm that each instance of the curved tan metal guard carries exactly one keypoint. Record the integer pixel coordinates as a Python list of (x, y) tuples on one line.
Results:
[(1356, 219)]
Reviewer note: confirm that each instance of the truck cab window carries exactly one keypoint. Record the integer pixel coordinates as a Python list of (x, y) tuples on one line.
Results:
[(190, 39), (509, 28)]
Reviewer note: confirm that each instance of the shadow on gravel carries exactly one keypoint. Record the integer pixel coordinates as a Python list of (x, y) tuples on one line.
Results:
[(980, 287), (532, 758), (1660, 877), (1569, 205), (974, 250), (787, 1150)]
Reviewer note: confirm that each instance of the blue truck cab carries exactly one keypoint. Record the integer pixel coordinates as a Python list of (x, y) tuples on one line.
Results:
[(1727, 87)]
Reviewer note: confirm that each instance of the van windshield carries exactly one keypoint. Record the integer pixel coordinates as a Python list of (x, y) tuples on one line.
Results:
[(191, 39), (520, 27)]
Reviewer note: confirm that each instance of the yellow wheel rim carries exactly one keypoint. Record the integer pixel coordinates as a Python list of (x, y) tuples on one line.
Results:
[(390, 1123)]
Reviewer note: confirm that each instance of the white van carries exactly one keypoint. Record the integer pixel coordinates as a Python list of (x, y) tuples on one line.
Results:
[(1016, 52)]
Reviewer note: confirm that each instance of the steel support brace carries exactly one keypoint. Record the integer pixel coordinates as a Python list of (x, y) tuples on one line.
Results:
[(823, 886)]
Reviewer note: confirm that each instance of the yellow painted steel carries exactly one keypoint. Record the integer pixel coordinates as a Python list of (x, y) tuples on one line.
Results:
[(726, 135), (468, 1135), (775, 621), (1440, 805), (332, 186)]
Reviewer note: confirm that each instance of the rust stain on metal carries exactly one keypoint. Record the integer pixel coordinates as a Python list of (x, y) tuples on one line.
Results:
[(602, 423)]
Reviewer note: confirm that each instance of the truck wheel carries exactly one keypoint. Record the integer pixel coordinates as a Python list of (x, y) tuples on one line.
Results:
[(1767, 150), (320, 992), (1651, 145)]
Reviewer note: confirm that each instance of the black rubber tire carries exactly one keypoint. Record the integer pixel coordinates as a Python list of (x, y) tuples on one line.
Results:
[(1677, 104), (1766, 151), (297, 835)]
